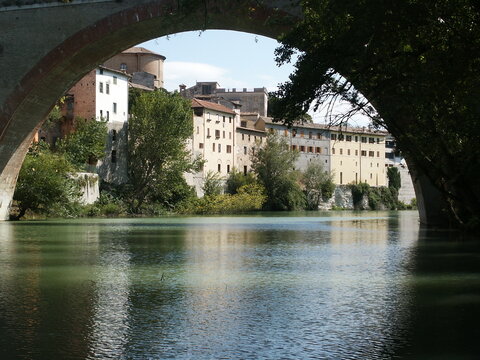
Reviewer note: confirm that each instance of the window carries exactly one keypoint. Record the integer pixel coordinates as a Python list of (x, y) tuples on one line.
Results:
[(243, 136), (310, 135), (101, 71), (364, 152), (100, 87), (224, 134), (294, 147), (219, 166), (333, 151), (333, 136), (213, 147), (217, 134), (230, 135), (285, 132), (341, 178), (219, 148), (114, 135), (200, 145), (318, 150), (341, 137), (245, 150), (310, 149), (206, 89), (114, 156), (371, 140), (364, 139), (208, 117), (371, 153), (229, 149), (245, 170), (294, 132), (114, 80), (101, 114), (228, 168), (229, 119), (223, 118), (114, 108), (208, 132), (107, 88), (302, 148), (356, 152), (243, 124), (301, 133), (248, 138), (319, 136), (108, 115), (378, 153), (378, 140), (341, 151), (356, 138), (123, 67), (349, 137), (348, 151)]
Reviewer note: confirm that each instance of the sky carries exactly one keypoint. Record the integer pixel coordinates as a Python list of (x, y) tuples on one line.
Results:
[(231, 58)]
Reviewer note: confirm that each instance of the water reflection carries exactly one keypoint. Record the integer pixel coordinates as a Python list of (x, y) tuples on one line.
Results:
[(342, 285)]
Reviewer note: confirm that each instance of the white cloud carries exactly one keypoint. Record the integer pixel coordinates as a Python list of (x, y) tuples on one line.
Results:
[(188, 73)]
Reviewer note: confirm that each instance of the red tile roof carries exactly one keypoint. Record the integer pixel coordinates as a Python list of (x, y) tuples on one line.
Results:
[(197, 103)]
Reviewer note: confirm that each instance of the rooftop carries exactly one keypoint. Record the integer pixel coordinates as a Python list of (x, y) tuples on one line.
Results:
[(197, 103), (342, 129), (141, 50)]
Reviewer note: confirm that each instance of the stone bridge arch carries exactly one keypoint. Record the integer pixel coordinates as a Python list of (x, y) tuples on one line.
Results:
[(47, 45)]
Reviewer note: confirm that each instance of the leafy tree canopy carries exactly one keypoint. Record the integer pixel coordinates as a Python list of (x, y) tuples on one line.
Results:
[(318, 184), (274, 165), (44, 181), (159, 128), (417, 63), (86, 144)]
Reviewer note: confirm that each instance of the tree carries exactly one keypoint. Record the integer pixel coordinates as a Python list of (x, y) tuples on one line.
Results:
[(86, 144), (417, 63), (212, 184), (44, 181), (318, 184), (237, 179), (159, 128), (274, 165), (394, 180)]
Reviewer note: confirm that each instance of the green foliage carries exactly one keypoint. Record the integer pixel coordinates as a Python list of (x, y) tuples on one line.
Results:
[(358, 192), (382, 197), (237, 179), (212, 184), (394, 180), (318, 184), (249, 198), (44, 183), (274, 166), (418, 61), (86, 144), (158, 129)]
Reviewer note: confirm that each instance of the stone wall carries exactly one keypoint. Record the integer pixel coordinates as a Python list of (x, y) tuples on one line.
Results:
[(89, 187)]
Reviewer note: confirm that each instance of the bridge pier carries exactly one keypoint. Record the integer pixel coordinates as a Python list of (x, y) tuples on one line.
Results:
[(13, 157), (432, 207)]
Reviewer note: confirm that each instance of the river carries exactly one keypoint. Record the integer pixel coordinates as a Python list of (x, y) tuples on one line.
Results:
[(333, 285)]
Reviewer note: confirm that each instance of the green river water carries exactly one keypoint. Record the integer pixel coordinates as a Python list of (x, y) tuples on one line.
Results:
[(334, 285)]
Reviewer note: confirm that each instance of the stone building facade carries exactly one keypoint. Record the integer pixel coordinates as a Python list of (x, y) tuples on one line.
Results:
[(102, 94), (213, 139)]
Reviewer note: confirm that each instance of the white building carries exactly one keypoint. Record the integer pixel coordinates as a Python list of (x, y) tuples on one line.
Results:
[(213, 139)]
